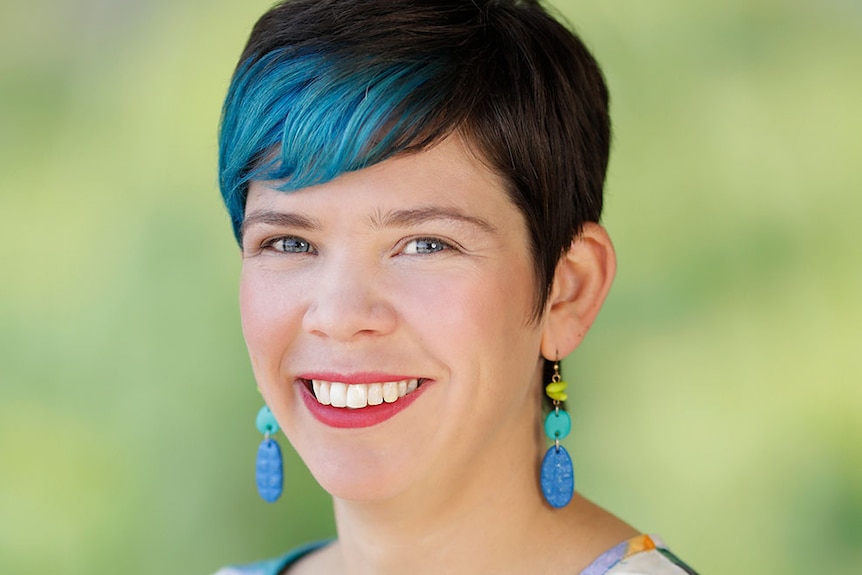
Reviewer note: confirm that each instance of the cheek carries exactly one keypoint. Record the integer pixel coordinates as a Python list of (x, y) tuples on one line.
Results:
[(486, 307), (269, 319)]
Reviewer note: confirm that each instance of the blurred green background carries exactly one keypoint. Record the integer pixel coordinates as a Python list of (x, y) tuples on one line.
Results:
[(717, 401)]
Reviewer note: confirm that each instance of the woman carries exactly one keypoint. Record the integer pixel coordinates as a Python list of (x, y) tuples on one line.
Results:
[(416, 188)]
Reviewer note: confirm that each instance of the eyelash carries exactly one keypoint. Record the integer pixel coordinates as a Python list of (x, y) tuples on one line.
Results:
[(271, 244), (432, 246), (436, 245)]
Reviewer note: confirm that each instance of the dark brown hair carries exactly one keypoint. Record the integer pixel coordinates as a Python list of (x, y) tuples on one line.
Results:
[(521, 87)]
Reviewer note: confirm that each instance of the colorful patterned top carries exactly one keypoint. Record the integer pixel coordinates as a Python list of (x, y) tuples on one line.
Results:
[(641, 555)]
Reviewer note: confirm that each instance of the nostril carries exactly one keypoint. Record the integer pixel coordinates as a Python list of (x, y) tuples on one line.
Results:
[(346, 317)]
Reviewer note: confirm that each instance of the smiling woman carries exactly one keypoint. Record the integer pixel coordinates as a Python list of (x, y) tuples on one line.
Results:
[(393, 287), (416, 189)]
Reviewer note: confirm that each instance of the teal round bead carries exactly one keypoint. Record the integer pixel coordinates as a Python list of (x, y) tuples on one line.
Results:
[(558, 424), (266, 422)]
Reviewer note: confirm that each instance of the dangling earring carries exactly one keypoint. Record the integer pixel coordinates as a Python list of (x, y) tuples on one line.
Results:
[(268, 468), (558, 476)]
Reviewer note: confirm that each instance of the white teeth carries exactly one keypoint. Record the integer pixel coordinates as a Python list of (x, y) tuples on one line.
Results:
[(338, 394), (321, 390), (390, 391), (359, 395), (375, 393)]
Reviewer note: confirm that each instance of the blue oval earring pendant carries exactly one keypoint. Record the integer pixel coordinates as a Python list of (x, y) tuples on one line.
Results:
[(557, 475), (269, 473)]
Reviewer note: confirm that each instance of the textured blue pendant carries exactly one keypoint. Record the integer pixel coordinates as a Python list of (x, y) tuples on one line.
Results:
[(558, 477), (268, 470)]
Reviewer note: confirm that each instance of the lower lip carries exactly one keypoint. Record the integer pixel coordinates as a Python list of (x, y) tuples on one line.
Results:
[(345, 417)]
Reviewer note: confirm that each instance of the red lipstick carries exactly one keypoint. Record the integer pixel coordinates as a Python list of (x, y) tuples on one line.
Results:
[(343, 417)]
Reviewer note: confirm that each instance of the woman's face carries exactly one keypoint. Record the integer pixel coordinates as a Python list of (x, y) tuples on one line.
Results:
[(417, 270)]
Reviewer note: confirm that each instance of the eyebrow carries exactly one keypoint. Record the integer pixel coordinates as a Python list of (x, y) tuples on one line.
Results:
[(411, 217), (281, 219), (394, 218)]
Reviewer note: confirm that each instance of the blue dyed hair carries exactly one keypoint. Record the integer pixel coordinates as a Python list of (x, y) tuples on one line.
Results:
[(305, 119), (325, 87)]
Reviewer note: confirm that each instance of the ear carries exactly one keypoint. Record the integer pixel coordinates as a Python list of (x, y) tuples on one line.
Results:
[(581, 283)]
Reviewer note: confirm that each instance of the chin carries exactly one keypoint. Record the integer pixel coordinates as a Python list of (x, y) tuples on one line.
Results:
[(364, 463), (352, 478)]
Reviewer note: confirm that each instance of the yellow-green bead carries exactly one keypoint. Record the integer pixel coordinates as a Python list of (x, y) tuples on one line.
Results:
[(556, 387), (561, 396)]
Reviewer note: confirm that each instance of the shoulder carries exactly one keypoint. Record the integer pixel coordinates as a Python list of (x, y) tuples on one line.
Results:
[(642, 555), (272, 566)]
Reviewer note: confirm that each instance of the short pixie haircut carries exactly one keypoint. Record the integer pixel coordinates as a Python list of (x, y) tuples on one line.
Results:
[(325, 87)]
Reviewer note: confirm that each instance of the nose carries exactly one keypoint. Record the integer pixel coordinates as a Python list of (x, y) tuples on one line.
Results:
[(350, 301)]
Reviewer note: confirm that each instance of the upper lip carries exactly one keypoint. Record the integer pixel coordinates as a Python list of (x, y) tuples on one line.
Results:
[(355, 377)]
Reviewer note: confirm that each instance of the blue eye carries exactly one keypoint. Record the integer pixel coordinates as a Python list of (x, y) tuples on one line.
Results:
[(425, 246), (291, 245)]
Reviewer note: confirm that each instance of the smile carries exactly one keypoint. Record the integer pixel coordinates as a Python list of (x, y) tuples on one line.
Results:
[(360, 399), (360, 395)]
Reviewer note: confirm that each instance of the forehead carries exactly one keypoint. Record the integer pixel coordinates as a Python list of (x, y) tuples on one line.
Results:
[(448, 173)]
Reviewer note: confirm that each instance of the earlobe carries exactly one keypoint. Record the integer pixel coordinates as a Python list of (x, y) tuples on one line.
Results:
[(581, 283)]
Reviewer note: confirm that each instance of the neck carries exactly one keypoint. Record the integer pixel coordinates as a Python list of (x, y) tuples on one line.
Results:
[(468, 531), (508, 541), (489, 519)]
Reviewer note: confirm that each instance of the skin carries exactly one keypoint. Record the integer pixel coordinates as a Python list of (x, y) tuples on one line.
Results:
[(420, 266)]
